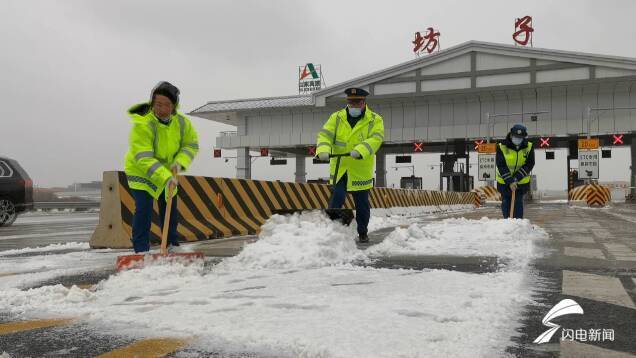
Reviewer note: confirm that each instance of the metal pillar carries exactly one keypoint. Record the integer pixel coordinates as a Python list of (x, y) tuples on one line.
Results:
[(300, 174), (243, 163), (380, 169), (632, 170)]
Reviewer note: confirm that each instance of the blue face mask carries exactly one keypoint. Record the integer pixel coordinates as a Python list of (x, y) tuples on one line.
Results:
[(355, 112), (517, 140)]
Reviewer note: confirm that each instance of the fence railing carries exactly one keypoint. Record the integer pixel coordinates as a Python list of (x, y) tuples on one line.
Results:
[(48, 205)]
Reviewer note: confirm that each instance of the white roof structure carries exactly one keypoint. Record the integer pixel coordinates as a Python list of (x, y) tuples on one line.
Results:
[(446, 72), (470, 92), (254, 103)]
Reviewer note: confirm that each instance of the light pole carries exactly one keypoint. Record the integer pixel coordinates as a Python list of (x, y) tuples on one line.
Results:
[(494, 116), (589, 125)]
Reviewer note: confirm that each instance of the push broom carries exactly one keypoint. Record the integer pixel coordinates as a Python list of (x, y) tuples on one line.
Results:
[(136, 261)]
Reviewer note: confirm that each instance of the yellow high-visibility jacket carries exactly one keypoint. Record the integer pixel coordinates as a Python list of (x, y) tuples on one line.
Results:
[(366, 138), (154, 147), (515, 162)]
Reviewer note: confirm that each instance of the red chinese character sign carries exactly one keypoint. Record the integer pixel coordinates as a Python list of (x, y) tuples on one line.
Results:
[(217, 153), (523, 31), (429, 42)]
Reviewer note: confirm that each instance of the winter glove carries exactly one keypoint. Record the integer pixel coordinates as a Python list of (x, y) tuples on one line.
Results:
[(355, 154), (513, 186), (324, 156), (176, 168)]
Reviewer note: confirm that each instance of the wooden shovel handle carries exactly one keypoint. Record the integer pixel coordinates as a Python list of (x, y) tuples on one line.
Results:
[(166, 220), (512, 204)]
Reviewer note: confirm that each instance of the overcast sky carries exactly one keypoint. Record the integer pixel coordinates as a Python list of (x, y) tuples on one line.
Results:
[(69, 70)]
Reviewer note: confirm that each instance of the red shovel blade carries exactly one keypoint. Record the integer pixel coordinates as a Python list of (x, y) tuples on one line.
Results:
[(127, 262)]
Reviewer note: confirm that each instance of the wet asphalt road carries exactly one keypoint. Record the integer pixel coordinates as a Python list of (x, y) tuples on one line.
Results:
[(602, 230)]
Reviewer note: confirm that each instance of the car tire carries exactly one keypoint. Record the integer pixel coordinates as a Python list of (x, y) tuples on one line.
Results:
[(8, 214)]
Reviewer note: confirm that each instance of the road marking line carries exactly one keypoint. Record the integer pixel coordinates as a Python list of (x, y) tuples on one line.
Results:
[(576, 349), (155, 347), (53, 234), (14, 327), (583, 252), (596, 287)]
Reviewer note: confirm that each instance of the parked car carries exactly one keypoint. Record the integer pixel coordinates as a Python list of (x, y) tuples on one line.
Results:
[(16, 191)]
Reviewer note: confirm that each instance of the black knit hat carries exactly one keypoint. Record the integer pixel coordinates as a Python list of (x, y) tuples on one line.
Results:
[(165, 88)]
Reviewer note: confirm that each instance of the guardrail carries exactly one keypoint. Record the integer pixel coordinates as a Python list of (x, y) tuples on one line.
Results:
[(228, 134), (47, 205)]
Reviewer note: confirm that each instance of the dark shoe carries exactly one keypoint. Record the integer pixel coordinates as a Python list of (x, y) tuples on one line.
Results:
[(363, 238)]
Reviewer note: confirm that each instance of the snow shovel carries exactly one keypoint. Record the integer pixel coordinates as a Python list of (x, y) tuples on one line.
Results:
[(345, 216), (137, 260)]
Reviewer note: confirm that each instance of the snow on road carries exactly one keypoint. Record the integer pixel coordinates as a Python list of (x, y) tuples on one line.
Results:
[(512, 240), (303, 290), (29, 266)]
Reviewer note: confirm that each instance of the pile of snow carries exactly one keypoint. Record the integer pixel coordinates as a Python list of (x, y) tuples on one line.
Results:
[(305, 240), (512, 239), (415, 211), (332, 311), (53, 247), (297, 292), (381, 222), (27, 271)]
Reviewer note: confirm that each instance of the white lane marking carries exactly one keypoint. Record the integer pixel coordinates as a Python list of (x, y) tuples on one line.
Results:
[(63, 233), (596, 287)]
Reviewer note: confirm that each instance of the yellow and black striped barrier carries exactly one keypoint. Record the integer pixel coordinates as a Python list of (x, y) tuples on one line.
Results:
[(488, 193), (594, 195), (577, 193), (598, 195), (222, 207)]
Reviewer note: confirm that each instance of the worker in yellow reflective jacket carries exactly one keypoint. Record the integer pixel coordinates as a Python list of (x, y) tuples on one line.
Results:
[(358, 131), (515, 161), (161, 141)]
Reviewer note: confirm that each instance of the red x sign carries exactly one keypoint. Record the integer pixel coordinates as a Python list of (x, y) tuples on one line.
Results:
[(312, 151), (545, 142), (478, 142), (618, 139), (418, 147)]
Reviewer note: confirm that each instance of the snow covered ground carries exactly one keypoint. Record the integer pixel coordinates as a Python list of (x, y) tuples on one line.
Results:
[(304, 290)]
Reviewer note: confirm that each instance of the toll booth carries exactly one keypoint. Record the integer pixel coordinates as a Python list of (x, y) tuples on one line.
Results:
[(411, 182), (454, 175)]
